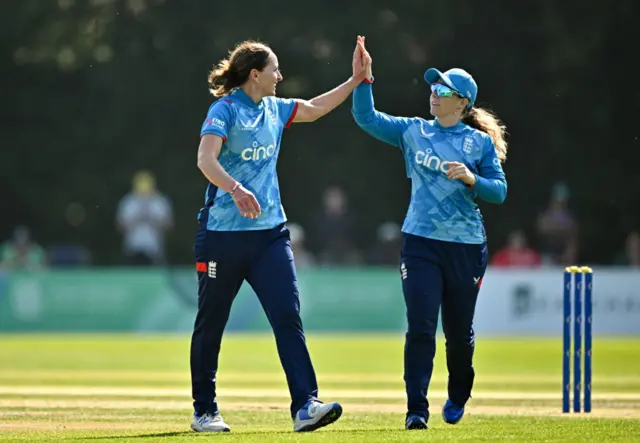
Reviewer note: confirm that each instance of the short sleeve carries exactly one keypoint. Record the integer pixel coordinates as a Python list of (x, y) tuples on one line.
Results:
[(219, 119), (287, 109)]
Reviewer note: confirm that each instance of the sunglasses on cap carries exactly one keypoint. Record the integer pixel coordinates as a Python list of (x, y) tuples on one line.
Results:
[(443, 90)]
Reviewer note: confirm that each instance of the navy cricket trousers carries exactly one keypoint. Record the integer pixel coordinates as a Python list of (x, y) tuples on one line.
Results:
[(438, 274), (265, 260)]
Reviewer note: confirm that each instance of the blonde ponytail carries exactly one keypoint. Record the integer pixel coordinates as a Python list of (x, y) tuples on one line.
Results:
[(486, 121)]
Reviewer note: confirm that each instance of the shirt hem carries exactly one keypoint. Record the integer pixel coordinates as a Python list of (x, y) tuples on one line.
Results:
[(441, 238), (265, 227)]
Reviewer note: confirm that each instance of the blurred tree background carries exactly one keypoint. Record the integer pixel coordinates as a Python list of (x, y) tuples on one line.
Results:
[(98, 89)]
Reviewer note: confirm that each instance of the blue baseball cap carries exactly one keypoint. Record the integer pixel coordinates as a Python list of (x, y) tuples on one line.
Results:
[(457, 79)]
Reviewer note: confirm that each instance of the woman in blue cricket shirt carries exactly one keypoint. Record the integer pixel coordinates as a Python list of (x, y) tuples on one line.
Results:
[(242, 234), (451, 161)]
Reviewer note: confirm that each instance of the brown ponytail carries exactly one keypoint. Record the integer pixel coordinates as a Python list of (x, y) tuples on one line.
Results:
[(486, 121), (234, 71)]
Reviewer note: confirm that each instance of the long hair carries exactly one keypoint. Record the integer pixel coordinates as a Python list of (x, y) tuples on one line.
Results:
[(234, 70), (486, 121)]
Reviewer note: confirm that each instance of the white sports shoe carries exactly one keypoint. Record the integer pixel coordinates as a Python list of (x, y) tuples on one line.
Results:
[(315, 415), (209, 423)]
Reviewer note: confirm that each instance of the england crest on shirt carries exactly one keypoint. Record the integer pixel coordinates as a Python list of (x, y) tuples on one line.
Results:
[(467, 146)]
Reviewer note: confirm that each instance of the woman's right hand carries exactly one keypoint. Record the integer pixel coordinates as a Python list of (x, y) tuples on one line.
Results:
[(246, 202)]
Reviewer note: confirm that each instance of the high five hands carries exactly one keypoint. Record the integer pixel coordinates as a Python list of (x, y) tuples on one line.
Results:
[(361, 61)]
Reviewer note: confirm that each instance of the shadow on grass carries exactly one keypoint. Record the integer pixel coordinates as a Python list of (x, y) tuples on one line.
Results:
[(230, 434)]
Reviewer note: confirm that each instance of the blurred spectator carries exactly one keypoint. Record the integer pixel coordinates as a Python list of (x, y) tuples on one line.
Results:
[(386, 250), (21, 252), (558, 230), (517, 253), (144, 216), (334, 230), (302, 257), (630, 256)]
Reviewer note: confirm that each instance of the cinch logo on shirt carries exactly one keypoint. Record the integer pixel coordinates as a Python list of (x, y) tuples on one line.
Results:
[(258, 152), (431, 161)]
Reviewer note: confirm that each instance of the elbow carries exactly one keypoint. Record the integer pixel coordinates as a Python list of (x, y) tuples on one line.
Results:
[(361, 119), (202, 161), (499, 196), (313, 117), (503, 193), (491, 191)]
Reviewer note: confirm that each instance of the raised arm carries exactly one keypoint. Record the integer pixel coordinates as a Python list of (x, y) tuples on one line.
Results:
[(382, 126), (311, 110), (377, 124)]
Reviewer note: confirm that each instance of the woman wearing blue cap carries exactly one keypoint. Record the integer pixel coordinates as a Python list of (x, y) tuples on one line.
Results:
[(451, 161)]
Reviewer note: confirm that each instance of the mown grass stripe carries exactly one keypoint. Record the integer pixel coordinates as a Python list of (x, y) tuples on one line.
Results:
[(105, 391)]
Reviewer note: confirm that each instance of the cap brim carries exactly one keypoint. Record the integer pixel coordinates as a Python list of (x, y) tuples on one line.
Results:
[(433, 75)]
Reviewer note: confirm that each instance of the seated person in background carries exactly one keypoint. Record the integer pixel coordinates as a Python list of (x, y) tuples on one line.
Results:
[(21, 252), (516, 253)]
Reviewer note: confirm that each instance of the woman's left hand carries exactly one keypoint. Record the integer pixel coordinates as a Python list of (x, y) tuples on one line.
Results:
[(458, 171)]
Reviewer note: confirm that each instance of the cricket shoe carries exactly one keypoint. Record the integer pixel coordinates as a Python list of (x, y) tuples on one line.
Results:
[(209, 423), (451, 413), (315, 414), (415, 421)]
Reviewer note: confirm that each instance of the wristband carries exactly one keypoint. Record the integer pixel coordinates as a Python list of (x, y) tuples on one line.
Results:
[(235, 187)]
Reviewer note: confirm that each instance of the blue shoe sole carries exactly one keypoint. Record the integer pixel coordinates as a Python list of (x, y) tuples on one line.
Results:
[(330, 417), (452, 422)]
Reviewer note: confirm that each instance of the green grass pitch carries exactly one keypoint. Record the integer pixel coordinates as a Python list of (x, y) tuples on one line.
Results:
[(121, 388)]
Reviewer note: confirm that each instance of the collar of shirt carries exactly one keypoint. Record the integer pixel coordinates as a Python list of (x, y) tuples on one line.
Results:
[(458, 127), (244, 98)]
